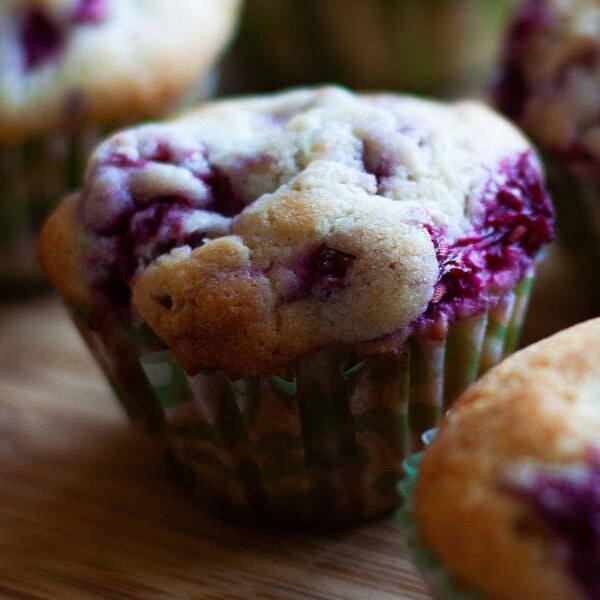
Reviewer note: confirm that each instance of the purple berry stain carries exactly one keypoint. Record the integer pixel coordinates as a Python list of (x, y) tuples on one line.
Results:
[(322, 272), (569, 505), (143, 230), (517, 220), (223, 199), (42, 38), (117, 159), (510, 90), (90, 11), (138, 238)]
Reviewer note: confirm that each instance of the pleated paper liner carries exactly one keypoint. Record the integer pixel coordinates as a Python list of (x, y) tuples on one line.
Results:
[(322, 442), (440, 583), (33, 177)]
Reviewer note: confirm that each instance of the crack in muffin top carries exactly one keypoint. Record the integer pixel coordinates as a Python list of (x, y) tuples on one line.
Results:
[(549, 81), (106, 60), (252, 231)]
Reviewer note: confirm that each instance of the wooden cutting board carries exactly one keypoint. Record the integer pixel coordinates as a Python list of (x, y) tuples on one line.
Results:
[(88, 511)]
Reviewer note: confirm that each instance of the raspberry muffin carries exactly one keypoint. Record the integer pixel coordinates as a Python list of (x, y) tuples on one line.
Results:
[(426, 46), (285, 289), (70, 70), (507, 494), (549, 83)]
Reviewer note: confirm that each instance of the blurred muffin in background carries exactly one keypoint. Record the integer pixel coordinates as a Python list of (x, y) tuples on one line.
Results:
[(549, 83), (426, 46), (71, 70)]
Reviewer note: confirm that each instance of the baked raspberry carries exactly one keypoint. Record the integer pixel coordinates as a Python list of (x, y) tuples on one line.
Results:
[(90, 11), (567, 501), (516, 219), (42, 38)]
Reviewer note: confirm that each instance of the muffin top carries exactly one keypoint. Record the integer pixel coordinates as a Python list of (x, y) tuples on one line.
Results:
[(508, 492), (107, 61), (252, 231), (550, 78)]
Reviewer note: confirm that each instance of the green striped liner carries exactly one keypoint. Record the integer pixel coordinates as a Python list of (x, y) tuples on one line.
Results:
[(33, 178), (117, 344), (442, 369), (440, 583), (322, 441)]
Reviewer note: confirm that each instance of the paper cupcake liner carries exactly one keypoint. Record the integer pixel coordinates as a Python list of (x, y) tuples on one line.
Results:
[(472, 346), (426, 46), (577, 204), (33, 177), (439, 582), (319, 443), (117, 344)]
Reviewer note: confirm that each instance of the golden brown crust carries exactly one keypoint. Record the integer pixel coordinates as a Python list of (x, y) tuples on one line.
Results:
[(208, 308), (539, 405), (226, 307), (60, 252)]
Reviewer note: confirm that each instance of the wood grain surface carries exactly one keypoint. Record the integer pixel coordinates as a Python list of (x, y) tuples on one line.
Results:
[(87, 509)]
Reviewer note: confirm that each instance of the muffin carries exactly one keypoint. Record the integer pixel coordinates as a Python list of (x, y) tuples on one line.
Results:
[(549, 83), (426, 46), (285, 289), (71, 70), (507, 498)]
